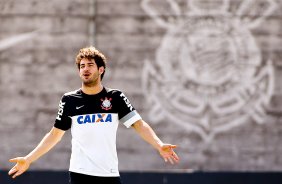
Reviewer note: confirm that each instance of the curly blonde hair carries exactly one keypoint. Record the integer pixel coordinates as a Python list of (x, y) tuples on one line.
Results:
[(92, 53)]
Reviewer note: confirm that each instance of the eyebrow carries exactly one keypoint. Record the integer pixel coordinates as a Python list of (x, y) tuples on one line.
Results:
[(90, 62)]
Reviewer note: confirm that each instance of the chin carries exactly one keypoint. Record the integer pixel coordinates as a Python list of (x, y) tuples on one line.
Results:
[(87, 82)]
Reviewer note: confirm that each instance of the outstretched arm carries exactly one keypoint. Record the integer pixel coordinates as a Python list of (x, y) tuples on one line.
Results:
[(46, 144), (148, 134)]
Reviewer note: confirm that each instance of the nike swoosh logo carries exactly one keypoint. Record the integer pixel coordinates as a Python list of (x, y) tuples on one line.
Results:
[(79, 107)]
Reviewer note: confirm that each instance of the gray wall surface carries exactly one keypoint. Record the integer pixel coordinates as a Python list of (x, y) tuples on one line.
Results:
[(204, 74)]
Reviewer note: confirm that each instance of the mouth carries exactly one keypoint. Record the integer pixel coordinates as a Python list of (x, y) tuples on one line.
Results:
[(86, 75)]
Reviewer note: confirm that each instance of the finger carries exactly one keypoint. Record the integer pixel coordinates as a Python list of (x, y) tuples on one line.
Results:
[(176, 160), (12, 171), (170, 160), (13, 160), (175, 156), (165, 159), (17, 174), (173, 146), (14, 175)]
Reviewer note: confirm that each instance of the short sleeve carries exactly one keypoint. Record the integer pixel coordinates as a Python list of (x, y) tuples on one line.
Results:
[(63, 121), (126, 112)]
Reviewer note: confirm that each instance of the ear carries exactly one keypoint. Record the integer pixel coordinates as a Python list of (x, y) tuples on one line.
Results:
[(101, 70)]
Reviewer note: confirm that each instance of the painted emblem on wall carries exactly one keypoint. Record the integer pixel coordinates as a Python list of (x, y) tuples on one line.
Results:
[(14, 40), (209, 75)]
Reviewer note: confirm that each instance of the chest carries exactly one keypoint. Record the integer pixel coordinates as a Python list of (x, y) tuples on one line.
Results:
[(98, 106)]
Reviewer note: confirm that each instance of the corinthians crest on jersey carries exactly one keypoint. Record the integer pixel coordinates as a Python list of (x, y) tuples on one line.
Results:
[(106, 103)]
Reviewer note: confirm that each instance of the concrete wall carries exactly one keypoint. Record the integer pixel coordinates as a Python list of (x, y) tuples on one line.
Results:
[(39, 41), (206, 76)]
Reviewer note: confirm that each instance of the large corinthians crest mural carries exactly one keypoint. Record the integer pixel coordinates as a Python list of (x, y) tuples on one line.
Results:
[(208, 74)]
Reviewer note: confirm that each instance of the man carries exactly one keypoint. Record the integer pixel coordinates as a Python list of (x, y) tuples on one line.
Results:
[(93, 113)]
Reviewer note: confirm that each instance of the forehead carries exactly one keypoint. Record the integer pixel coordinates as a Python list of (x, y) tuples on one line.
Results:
[(87, 61)]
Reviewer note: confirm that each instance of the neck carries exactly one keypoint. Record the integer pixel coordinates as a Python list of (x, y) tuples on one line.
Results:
[(92, 90)]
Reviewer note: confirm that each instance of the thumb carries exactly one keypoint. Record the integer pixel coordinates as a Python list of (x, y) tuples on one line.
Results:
[(173, 146), (13, 160)]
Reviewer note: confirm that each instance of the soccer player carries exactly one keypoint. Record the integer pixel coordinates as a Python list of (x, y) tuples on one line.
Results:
[(93, 113)]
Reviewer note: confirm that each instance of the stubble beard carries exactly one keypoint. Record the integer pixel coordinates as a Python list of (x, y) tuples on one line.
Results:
[(90, 82)]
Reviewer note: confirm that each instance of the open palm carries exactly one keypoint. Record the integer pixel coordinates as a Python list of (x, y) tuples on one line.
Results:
[(168, 154), (22, 164)]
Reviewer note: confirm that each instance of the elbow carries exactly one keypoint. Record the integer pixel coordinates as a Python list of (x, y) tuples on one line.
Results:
[(141, 126), (138, 125), (54, 137)]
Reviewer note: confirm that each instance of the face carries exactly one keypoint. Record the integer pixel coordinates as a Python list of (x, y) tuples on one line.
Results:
[(89, 72)]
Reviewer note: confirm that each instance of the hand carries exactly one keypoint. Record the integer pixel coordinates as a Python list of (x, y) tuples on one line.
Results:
[(166, 151), (22, 164)]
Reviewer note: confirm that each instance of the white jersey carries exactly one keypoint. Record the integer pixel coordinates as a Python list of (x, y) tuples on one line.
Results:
[(94, 120)]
